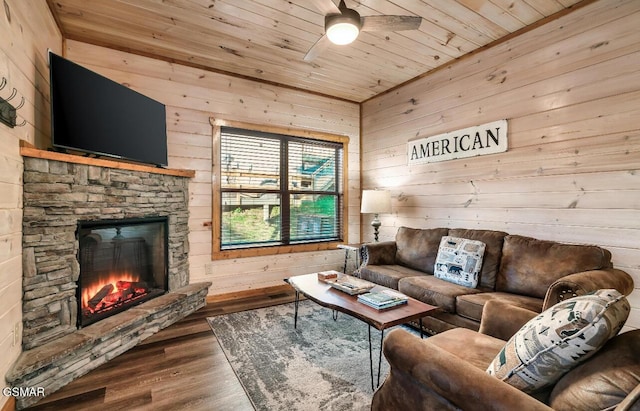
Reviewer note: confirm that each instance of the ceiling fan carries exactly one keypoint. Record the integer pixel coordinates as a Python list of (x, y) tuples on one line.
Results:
[(342, 25)]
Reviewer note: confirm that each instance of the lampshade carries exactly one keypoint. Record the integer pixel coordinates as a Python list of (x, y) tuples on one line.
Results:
[(375, 202), (343, 28)]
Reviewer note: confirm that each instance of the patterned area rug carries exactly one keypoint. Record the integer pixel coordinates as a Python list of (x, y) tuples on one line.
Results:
[(321, 365)]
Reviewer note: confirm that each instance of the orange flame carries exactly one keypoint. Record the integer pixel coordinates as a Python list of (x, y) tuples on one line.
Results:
[(92, 290)]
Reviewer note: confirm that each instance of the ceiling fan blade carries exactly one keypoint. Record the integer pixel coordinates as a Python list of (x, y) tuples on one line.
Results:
[(319, 46), (326, 6), (390, 23)]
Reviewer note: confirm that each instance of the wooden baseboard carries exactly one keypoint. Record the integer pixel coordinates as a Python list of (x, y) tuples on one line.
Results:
[(10, 405), (238, 295)]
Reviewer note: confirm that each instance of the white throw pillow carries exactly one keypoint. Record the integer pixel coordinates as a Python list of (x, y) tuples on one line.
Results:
[(560, 338), (459, 261)]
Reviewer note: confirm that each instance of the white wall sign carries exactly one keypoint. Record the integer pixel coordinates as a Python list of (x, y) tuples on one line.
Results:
[(479, 140)]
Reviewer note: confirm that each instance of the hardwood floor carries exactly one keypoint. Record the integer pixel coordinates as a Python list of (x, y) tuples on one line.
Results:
[(180, 368)]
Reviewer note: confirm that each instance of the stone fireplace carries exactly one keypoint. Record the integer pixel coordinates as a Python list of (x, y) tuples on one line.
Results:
[(58, 195), (86, 220)]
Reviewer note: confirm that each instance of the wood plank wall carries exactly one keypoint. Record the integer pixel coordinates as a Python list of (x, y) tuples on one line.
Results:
[(193, 96), (27, 30), (571, 93)]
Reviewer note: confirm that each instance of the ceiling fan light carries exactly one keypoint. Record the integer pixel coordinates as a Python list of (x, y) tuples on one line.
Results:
[(342, 33), (343, 28)]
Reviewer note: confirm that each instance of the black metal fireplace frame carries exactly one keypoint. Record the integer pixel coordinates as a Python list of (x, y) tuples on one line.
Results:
[(113, 223)]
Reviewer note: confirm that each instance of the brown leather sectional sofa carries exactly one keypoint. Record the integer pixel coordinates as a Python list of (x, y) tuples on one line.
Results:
[(521, 271)]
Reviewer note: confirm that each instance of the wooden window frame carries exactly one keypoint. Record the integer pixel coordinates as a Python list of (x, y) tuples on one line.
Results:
[(217, 253)]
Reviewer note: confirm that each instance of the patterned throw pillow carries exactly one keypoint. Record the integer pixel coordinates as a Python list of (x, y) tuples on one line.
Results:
[(459, 261), (559, 339)]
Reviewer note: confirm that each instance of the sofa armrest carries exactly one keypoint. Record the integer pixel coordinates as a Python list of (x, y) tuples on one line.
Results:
[(585, 282), (501, 319), (631, 401), (378, 253), (424, 376)]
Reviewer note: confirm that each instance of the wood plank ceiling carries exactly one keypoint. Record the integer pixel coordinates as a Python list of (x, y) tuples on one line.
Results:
[(266, 40)]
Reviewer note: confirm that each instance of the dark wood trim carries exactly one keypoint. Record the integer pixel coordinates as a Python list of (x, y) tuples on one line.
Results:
[(28, 150)]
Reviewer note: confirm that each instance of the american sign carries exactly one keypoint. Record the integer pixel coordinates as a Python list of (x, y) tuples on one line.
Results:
[(479, 140)]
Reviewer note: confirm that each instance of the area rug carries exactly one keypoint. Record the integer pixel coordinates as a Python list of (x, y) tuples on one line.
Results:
[(320, 365)]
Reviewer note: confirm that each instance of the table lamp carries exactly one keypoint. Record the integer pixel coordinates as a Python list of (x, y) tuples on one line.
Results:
[(375, 202)]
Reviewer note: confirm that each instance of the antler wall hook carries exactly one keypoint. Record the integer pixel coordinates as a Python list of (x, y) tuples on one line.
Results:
[(14, 92), (21, 103), (8, 113)]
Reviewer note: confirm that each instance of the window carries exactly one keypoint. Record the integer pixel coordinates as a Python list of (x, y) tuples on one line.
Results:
[(278, 190)]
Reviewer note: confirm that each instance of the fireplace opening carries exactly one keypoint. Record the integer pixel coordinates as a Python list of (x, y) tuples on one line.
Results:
[(122, 263)]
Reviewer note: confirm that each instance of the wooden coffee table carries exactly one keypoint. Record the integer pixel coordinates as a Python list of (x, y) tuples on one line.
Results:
[(327, 296)]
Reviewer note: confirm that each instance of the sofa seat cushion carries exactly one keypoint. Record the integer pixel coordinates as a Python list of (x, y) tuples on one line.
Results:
[(439, 321), (418, 248), (559, 339), (475, 348), (493, 241), (387, 275), (434, 291), (603, 381), (529, 266), (471, 305)]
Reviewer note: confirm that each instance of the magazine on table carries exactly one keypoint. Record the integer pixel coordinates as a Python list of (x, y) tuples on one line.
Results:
[(383, 306), (350, 285), (383, 299)]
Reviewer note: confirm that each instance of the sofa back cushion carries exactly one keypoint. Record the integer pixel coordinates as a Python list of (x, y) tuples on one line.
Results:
[(529, 266), (493, 241), (418, 248)]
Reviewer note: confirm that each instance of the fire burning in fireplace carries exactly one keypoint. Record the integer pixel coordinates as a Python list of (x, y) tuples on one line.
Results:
[(117, 290), (122, 263)]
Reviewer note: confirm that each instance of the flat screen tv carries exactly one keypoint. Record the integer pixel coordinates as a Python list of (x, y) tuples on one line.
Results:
[(92, 114)]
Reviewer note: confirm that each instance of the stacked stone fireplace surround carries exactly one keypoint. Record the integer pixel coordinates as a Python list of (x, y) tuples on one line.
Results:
[(58, 194)]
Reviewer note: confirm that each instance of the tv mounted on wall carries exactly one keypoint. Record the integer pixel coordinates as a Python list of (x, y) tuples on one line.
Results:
[(93, 114)]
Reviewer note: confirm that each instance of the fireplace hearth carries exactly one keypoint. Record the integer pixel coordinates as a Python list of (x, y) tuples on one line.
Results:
[(122, 263)]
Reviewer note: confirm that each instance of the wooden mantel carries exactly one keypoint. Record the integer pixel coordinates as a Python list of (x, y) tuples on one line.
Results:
[(28, 150)]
